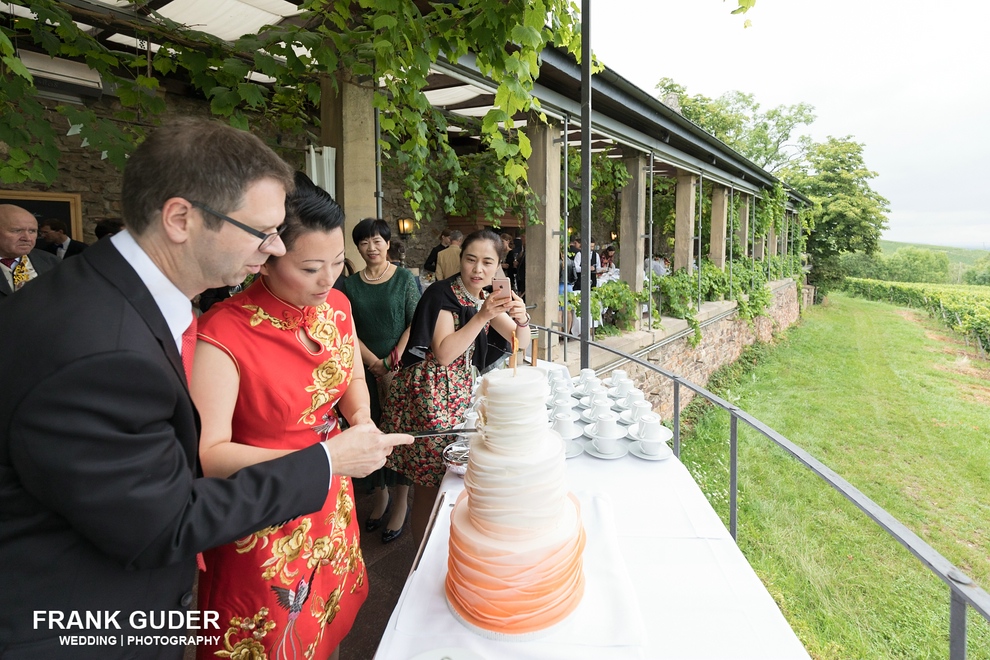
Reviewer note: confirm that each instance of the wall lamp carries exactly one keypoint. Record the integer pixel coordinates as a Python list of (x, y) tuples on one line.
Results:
[(405, 227)]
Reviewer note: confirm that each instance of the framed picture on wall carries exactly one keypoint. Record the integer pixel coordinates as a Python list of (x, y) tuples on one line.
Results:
[(66, 207)]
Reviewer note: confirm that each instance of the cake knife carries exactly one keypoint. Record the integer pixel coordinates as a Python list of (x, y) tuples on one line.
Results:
[(442, 432)]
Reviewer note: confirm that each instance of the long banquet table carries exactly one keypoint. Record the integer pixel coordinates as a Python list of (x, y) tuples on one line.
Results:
[(665, 579)]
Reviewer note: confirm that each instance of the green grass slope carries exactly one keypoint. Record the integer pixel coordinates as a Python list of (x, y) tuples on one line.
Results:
[(884, 397)]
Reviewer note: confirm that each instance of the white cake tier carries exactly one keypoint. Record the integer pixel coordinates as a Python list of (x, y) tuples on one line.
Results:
[(513, 407), (517, 497)]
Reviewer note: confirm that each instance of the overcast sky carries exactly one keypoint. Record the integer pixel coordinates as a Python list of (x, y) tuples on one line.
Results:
[(909, 79)]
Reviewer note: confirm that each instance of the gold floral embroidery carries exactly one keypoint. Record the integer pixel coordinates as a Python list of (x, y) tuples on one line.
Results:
[(249, 647), (261, 315), (247, 543), (335, 371), (286, 550), (325, 612)]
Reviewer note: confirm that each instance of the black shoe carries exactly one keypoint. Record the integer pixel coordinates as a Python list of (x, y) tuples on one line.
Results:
[(390, 535), (371, 524)]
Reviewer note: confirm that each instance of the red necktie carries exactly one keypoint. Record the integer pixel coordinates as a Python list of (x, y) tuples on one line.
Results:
[(8, 262), (188, 350)]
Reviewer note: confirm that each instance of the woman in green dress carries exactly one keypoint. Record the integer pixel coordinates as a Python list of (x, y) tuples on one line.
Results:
[(383, 299)]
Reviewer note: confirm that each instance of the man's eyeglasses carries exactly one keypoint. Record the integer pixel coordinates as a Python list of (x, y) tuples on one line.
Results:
[(266, 239)]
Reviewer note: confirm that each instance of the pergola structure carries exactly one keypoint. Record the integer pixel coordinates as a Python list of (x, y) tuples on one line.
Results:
[(651, 138)]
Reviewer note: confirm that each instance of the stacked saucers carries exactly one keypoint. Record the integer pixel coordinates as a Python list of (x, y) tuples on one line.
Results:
[(627, 402), (567, 427), (631, 416), (615, 376), (650, 438), (606, 437)]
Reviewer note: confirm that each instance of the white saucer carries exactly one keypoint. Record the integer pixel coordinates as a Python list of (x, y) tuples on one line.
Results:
[(591, 432), (637, 450), (578, 434), (665, 433), (613, 392), (448, 653), (625, 417), (621, 450), (586, 416), (573, 448), (575, 416)]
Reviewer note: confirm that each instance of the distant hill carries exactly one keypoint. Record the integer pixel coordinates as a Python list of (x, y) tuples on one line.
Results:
[(956, 255)]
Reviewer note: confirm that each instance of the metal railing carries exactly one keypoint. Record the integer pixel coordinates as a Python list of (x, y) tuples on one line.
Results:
[(964, 593)]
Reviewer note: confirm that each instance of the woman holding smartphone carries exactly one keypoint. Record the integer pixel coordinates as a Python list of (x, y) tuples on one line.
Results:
[(458, 330)]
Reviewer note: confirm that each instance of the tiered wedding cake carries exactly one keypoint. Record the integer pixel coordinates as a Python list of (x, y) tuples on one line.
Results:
[(516, 537)]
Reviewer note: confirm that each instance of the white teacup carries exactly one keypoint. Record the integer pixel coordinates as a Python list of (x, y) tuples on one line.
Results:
[(563, 423), (622, 387), (631, 398), (607, 433), (640, 408), (564, 387), (585, 375), (650, 434), (563, 406), (616, 375), (470, 419), (600, 405), (588, 386)]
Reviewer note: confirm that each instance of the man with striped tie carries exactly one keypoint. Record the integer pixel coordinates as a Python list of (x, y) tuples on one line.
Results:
[(20, 262)]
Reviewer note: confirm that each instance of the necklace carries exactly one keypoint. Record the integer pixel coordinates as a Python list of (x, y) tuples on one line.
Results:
[(375, 279)]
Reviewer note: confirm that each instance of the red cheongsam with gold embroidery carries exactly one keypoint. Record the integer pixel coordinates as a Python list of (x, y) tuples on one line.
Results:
[(291, 590)]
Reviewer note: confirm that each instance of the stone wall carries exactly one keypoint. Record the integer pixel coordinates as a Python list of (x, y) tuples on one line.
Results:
[(722, 342)]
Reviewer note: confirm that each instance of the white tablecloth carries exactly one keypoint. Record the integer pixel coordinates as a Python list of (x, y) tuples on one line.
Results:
[(696, 595)]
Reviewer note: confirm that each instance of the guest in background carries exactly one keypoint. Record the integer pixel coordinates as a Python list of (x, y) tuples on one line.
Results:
[(457, 330), (430, 265), (20, 261), (595, 264), (607, 258), (396, 253), (383, 299), (55, 233), (449, 259), (275, 372), (107, 227)]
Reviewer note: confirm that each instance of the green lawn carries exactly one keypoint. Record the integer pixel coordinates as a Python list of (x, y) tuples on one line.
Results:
[(900, 409), (956, 255)]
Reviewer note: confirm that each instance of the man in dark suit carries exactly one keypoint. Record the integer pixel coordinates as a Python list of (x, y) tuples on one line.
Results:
[(102, 500), (60, 244), (20, 261)]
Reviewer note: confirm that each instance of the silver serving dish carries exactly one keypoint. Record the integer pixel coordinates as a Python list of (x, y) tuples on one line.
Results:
[(455, 456)]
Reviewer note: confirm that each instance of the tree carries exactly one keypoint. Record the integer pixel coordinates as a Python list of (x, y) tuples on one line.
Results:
[(849, 216), (979, 273), (916, 264), (766, 138)]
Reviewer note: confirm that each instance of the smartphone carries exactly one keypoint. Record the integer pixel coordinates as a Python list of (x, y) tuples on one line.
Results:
[(500, 287)]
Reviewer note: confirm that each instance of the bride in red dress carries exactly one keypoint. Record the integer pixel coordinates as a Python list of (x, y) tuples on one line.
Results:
[(274, 371)]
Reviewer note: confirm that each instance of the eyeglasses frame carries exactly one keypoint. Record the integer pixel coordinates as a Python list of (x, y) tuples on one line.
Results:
[(266, 239)]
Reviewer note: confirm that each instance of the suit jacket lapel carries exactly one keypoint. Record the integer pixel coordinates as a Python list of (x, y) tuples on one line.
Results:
[(105, 258), (5, 289)]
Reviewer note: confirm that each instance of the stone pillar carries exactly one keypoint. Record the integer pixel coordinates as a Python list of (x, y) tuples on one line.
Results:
[(348, 125), (772, 240), (742, 230), (632, 222), (542, 246), (720, 207), (684, 205)]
